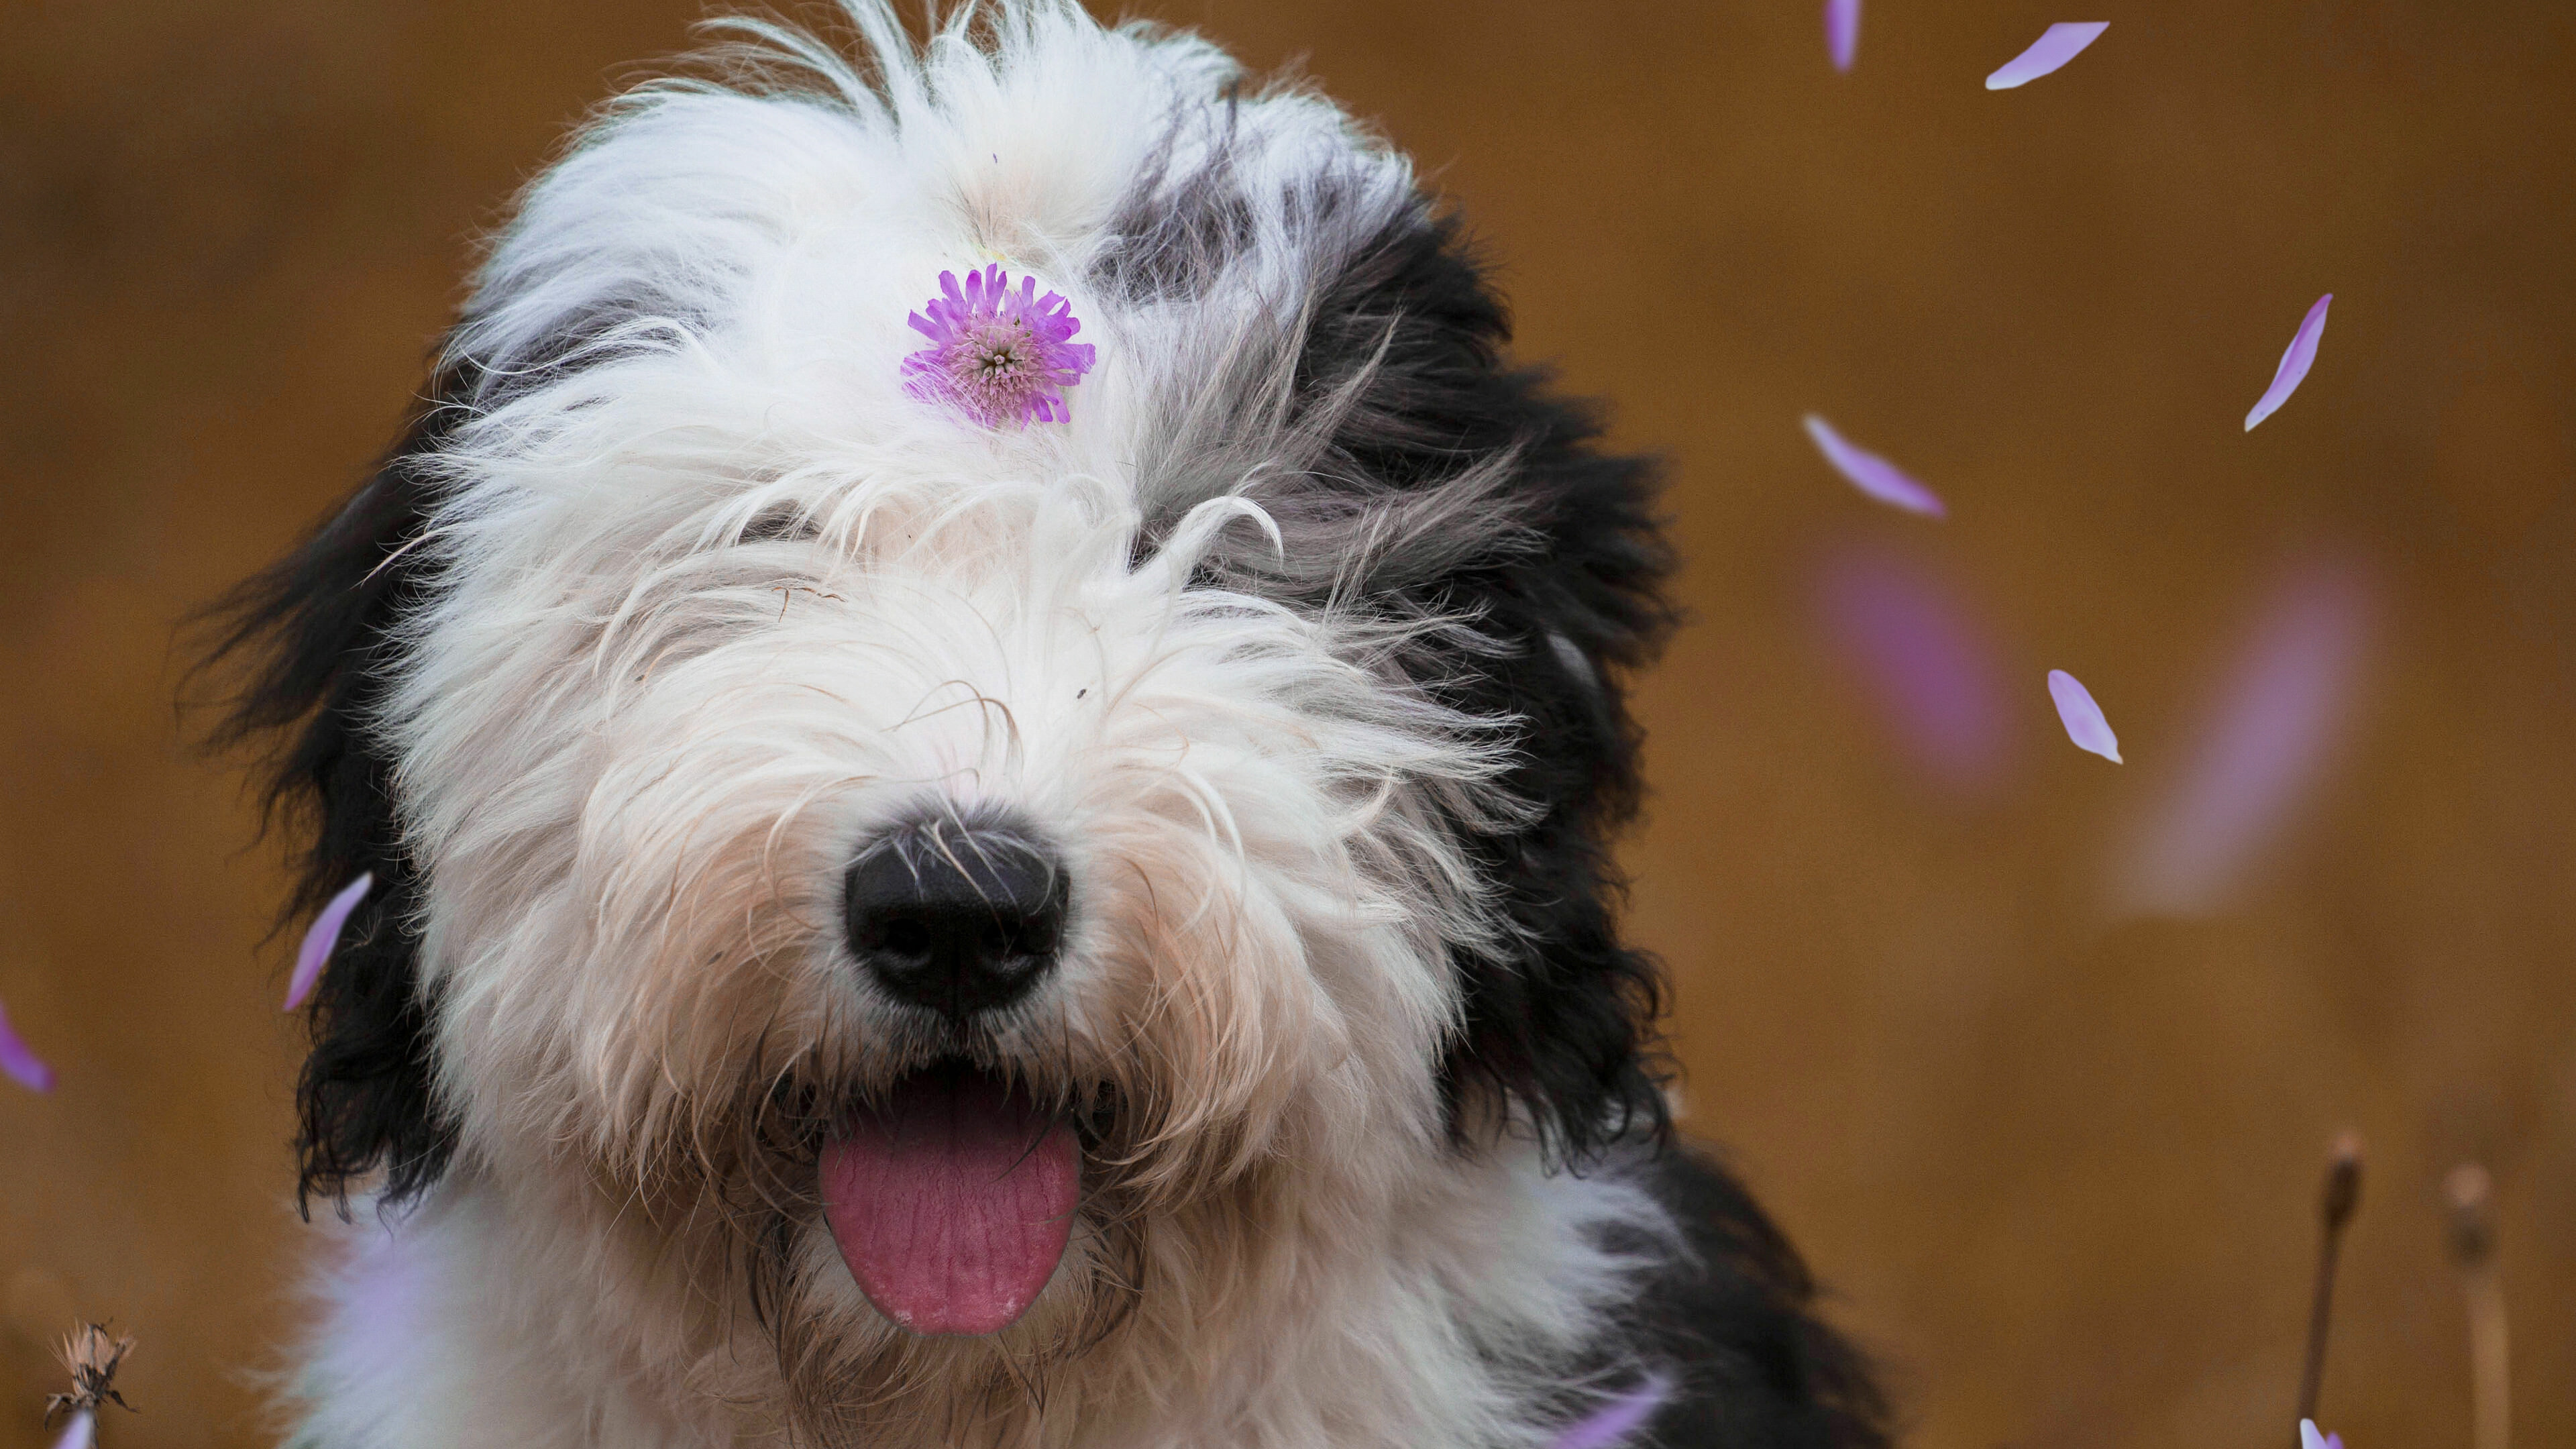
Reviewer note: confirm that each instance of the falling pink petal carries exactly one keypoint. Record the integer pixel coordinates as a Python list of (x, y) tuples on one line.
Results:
[(2084, 722), (2063, 42), (1621, 1417), (1872, 474), (1842, 31), (321, 937), (80, 1433), (1923, 658), (21, 1063), (2272, 727), (2295, 362)]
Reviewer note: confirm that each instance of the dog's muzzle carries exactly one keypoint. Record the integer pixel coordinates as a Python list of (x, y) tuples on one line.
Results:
[(951, 1194)]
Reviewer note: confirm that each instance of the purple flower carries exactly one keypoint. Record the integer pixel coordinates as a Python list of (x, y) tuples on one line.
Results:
[(998, 356), (2309, 1438)]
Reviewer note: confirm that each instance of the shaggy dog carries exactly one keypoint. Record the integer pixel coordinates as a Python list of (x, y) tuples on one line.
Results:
[(937, 884)]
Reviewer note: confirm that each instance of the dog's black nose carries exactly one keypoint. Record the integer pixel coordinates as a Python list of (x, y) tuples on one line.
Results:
[(957, 918)]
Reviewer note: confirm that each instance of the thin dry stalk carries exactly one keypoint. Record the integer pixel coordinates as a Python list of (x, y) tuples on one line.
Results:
[(2473, 1249), (2340, 1200)]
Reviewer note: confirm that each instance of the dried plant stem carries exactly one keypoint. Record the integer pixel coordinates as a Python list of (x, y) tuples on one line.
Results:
[(2342, 1197), (2488, 1354), (2473, 1242)]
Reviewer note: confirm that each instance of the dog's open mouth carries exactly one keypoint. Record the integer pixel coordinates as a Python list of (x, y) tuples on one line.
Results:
[(952, 1200)]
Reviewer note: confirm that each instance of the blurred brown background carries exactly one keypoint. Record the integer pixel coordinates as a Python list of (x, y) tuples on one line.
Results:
[(2057, 1161)]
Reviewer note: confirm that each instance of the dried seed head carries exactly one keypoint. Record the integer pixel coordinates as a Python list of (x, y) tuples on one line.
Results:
[(2471, 1193), (2343, 1182), (91, 1355)]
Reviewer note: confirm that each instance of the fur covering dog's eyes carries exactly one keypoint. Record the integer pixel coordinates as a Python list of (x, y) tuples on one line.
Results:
[(911, 919)]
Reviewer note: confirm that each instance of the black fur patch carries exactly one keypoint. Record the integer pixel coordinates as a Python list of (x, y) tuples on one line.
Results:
[(1440, 481), (309, 638), (1563, 1024), (1756, 1368), (1404, 354)]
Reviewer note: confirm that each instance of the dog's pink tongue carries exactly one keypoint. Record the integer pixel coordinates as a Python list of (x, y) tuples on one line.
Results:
[(952, 1203)]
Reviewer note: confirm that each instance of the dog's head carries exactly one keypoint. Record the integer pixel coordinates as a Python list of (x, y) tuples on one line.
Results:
[(929, 869)]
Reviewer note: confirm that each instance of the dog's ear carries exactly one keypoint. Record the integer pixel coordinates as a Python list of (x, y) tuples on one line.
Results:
[(1408, 344), (306, 649)]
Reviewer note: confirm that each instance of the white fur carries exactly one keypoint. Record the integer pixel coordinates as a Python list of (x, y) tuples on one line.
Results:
[(637, 749)]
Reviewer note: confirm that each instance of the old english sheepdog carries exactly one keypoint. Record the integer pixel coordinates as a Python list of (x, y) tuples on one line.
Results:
[(986, 724)]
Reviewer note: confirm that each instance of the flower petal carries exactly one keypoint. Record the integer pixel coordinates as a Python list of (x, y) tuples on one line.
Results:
[(2062, 43), (21, 1063), (1926, 660), (2309, 1438), (1872, 474), (80, 1433), (2271, 729), (321, 937), (1621, 1417), (1842, 31), (2295, 362), (2083, 718)]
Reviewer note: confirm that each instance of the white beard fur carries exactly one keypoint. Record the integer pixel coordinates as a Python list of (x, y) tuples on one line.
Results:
[(467, 1323)]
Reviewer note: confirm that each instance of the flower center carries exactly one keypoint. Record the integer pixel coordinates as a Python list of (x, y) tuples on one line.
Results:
[(1000, 353)]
